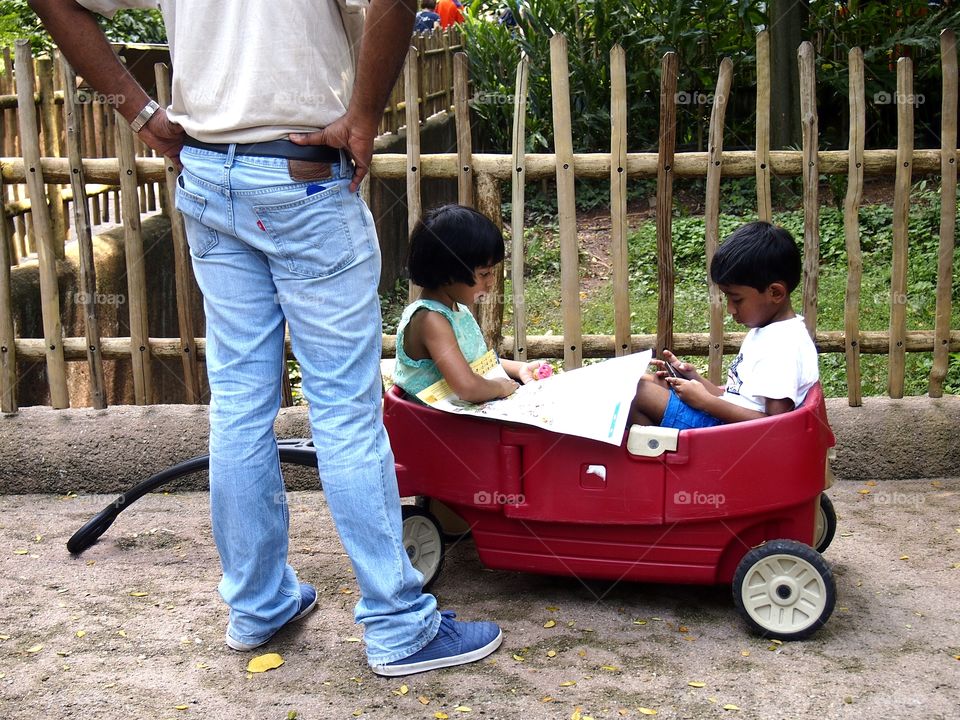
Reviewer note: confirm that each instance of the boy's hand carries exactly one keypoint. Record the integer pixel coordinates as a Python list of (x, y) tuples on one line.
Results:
[(672, 366), (693, 393)]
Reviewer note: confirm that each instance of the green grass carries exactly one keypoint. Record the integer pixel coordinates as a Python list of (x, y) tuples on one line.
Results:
[(542, 286)]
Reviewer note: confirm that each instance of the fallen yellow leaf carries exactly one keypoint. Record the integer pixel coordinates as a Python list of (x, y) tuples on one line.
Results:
[(546, 699), (352, 639), (441, 715), (122, 633), (696, 684), (180, 707), (552, 609), (639, 622), (864, 491), (34, 649), (551, 653), (904, 557), (745, 653), (403, 690), (730, 706), (423, 700), (568, 683), (550, 623), (518, 658), (646, 711), (577, 714), (683, 629), (138, 593), (81, 633), (463, 708), (358, 712), (610, 668), (4, 637), (262, 663), (871, 483), (20, 552)]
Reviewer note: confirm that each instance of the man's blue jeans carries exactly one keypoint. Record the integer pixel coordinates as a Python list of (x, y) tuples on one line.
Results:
[(268, 249)]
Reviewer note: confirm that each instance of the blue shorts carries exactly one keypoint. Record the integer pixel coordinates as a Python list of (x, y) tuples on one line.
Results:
[(681, 416)]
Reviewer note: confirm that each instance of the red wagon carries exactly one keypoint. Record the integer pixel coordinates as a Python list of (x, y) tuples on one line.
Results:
[(740, 504)]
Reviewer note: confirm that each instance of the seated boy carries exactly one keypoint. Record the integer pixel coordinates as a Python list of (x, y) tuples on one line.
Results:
[(756, 268)]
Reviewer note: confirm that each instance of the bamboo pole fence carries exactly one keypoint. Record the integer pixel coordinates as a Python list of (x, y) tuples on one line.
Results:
[(479, 177)]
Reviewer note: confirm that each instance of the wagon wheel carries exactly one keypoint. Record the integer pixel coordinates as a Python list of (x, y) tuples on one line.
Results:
[(423, 542), (826, 525), (784, 589)]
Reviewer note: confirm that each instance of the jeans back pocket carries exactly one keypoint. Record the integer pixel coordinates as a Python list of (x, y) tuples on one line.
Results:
[(311, 233), (200, 237)]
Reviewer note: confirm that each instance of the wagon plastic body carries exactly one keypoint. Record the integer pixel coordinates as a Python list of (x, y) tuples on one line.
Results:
[(686, 510)]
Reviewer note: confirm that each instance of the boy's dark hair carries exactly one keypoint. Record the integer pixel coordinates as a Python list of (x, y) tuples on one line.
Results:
[(756, 255), (449, 243), (428, 4)]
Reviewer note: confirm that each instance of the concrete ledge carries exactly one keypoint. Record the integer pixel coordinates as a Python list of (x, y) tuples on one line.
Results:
[(106, 451)]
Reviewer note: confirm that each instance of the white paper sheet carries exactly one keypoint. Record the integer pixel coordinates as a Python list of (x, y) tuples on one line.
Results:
[(592, 401)]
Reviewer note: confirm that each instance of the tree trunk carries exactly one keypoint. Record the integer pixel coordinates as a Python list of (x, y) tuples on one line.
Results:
[(788, 19)]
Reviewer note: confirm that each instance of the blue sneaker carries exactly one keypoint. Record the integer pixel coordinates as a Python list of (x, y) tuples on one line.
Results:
[(308, 601), (456, 643)]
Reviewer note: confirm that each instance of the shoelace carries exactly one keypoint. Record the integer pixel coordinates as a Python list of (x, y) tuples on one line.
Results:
[(447, 625)]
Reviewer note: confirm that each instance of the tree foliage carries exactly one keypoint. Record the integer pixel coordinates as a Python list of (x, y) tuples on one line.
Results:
[(701, 32), (18, 21)]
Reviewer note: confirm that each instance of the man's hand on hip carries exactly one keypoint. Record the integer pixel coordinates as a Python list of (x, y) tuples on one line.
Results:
[(344, 133), (164, 136)]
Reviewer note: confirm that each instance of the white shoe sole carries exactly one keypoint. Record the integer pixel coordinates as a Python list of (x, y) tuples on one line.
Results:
[(396, 670)]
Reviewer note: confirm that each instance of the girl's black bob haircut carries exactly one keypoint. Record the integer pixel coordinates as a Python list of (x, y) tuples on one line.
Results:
[(757, 255), (449, 243)]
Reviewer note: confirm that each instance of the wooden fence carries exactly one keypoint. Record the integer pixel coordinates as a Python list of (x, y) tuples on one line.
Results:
[(479, 177)]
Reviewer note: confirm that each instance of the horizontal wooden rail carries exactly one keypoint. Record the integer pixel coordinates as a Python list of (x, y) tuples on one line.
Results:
[(393, 166), (538, 346)]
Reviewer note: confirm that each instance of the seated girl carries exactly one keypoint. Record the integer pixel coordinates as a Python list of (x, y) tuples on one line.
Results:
[(453, 253)]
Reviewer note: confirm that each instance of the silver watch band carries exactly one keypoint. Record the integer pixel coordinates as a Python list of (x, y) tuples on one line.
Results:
[(144, 116)]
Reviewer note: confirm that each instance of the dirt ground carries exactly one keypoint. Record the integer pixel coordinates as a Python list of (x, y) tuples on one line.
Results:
[(134, 627)]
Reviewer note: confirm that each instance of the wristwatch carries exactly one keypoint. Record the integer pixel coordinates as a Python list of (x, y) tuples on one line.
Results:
[(144, 116)]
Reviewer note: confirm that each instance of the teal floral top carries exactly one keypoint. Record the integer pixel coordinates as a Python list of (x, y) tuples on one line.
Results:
[(416, 375)]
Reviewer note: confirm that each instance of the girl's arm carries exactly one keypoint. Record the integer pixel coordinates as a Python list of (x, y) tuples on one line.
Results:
[(441, 344)]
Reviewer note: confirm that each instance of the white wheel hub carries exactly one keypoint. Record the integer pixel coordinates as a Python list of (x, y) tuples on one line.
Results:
[(423, 544), (784, 593)]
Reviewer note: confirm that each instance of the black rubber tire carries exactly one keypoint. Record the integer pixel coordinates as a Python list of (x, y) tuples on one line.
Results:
[(423, 541), (826, 524), (784, 590)]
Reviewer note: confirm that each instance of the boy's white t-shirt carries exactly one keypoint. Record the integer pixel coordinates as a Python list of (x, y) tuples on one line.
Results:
[(775, 362)]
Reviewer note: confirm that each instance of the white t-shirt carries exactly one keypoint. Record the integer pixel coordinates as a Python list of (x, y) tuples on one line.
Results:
[(256, 71), (775, 362)]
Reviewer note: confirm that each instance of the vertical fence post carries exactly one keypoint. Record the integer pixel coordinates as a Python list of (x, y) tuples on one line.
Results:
[(517, 210), (948, 212), (764, 201), (414, 207), (901, 221), (811, 182), (81, 223), (490, 310), (461, 80), (618, 199), (666, 279), (712, 212), (46, 252), (140, 354), (51, 148), (566, 204), (181, 260), (851, 226), (8, 346)]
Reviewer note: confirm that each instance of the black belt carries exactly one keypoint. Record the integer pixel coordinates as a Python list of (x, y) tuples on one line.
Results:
[(273, 148)]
